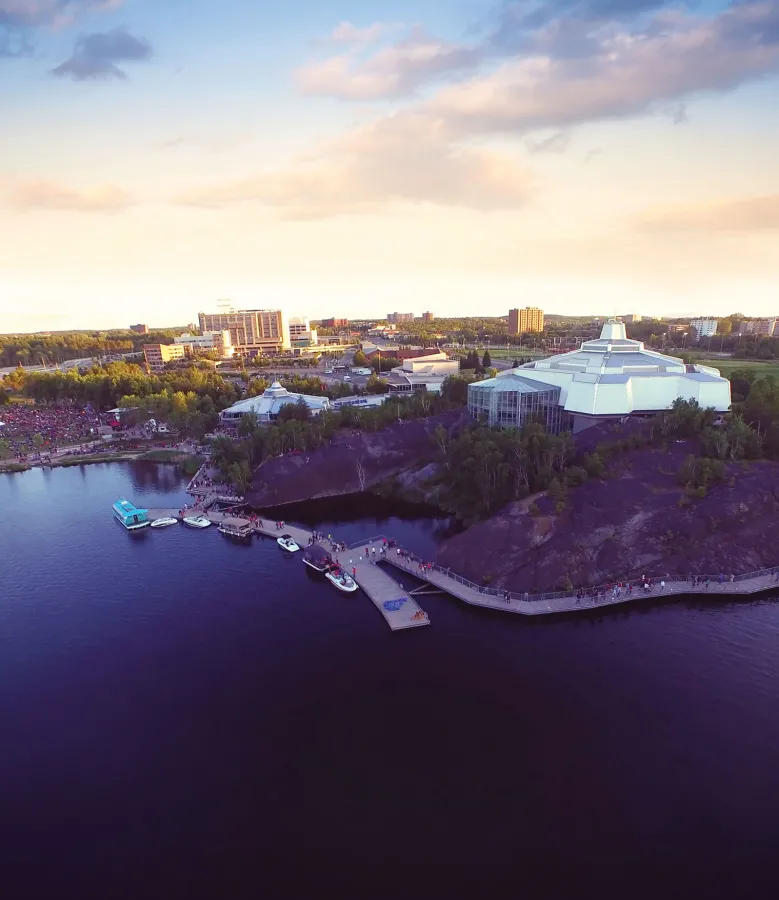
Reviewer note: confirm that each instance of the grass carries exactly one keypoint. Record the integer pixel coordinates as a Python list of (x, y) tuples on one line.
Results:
[(727, 366)]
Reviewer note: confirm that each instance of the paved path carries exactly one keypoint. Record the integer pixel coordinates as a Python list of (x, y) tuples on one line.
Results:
[(457, 587)]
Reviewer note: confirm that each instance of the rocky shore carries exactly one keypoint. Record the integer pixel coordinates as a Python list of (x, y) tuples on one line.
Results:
[(639, 520), (391, 462)]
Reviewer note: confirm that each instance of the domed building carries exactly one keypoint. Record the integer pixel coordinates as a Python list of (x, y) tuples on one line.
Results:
[(266, 406), (607, 378)]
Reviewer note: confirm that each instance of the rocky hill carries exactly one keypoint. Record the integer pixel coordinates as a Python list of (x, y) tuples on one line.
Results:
[(639, 520), (352, 462)]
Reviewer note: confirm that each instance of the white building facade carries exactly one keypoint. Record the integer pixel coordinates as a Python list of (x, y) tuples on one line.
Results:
[(704, 327), (604, 379), (268, 405)]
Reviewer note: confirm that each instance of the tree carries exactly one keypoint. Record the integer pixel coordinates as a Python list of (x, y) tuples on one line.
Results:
[(4, 398), (486, 360), (249, 422), (240, 475), (360, 359)]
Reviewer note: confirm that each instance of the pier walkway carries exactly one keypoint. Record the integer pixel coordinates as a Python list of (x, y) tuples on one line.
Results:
[(394, 602), (569, 601)]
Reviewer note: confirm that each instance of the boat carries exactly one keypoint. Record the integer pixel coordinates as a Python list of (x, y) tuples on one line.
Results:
[(243, 530), (287, 542), (317, 558), (344, 582), (164, 522), (130, 516), (197, 521)]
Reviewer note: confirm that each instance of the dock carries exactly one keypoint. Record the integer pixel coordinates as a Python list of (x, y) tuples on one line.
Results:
[(394, 602), (569, 601)]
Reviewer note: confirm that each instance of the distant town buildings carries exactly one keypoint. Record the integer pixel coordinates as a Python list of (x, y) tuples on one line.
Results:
[(396, 317), (759, 326), (253, 332), (631, 318), (704, 327), (428, 317), (301, 334), (526, 321), (335, 323), (140, 329), (157, 355), (268, 405), (218, 341), (605, 379)]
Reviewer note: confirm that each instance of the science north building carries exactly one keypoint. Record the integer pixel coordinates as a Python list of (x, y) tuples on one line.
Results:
[(605, 379)]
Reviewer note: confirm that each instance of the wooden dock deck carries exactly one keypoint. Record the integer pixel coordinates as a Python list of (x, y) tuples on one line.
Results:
[(394, 602)]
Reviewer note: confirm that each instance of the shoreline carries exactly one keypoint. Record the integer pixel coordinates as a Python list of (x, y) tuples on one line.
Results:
[(162, 457)]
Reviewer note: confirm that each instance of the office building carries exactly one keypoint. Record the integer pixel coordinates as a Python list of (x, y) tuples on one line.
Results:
[(218, 341), (253, 332), (526, 321), (704, 327), (140, 329), (396, 317), (301, 334), (157, 355), (604, 379)]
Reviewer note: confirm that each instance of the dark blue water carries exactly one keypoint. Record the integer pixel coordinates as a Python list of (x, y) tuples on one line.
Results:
[(181, 711)]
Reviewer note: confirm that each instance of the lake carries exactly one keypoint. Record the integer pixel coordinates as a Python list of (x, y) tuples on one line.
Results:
[(182, 711)]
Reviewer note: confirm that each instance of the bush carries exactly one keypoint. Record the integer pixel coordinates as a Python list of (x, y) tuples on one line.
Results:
[(533, 509), (575, 475)]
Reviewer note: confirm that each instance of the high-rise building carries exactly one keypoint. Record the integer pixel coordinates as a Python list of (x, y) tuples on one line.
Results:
[(399, 317), (335, 323), (140, 329), (524, 321), (704, 327), (428, 317), (156, 355), (765, 326), (301, 334), (219, 341), (252, 331)]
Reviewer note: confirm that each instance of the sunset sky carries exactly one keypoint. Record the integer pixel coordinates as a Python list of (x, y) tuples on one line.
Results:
[(335, 157)]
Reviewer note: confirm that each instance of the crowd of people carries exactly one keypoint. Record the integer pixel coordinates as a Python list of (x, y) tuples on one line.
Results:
[(30, 429)]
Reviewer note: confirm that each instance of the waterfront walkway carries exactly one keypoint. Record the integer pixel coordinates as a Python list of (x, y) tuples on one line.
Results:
[(564, 601)]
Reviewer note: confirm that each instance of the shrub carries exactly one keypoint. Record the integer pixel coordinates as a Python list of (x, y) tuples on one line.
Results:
[(533, 509)]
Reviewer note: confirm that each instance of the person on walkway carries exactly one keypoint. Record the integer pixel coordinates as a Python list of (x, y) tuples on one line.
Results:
[(373, 551), (732, 578), (662, 585), (354, 572)]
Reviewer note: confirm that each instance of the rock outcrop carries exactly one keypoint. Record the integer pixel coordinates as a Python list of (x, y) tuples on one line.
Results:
[(638, 521), (352, 462)]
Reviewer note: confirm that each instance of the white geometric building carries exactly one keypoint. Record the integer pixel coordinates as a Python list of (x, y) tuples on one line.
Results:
[(606, 378), (268, 405)]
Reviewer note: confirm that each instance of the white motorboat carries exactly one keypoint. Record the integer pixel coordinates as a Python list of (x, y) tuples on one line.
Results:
[(341, 580), (164, 522), (286, 542), (197, 521)]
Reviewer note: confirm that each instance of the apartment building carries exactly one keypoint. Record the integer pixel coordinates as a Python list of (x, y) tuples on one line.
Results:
[(157, 355), (704, 327), (396, 317), (525, 321), (253, 332)]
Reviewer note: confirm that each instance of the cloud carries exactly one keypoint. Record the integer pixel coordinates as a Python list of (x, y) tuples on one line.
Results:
[(397, 160), (28, 14), (627, 72), (754, 214), (51, 196), (389, 71), (96, 55), (557, 142), (346, 33)]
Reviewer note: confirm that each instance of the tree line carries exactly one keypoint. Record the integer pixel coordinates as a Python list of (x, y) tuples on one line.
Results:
[(50, 349)]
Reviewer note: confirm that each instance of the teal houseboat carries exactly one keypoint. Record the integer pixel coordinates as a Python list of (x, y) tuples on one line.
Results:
[(130, 516)]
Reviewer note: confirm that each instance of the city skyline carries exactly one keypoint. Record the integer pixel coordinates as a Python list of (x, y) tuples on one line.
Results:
[(338, 157)]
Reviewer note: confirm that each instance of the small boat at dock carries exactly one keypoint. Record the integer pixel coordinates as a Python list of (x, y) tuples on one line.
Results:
[(130, 516), (243, 531), (336, 575), (287, 542), (164, 522), (197, 521), (316, 557)]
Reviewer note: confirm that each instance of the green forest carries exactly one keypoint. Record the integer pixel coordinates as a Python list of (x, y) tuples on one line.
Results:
[(50, 349)]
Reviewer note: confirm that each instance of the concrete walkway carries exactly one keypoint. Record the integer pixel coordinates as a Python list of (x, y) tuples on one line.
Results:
[(470, 593)]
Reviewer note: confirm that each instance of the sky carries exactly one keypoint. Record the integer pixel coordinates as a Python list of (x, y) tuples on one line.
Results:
[(355, 158)]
